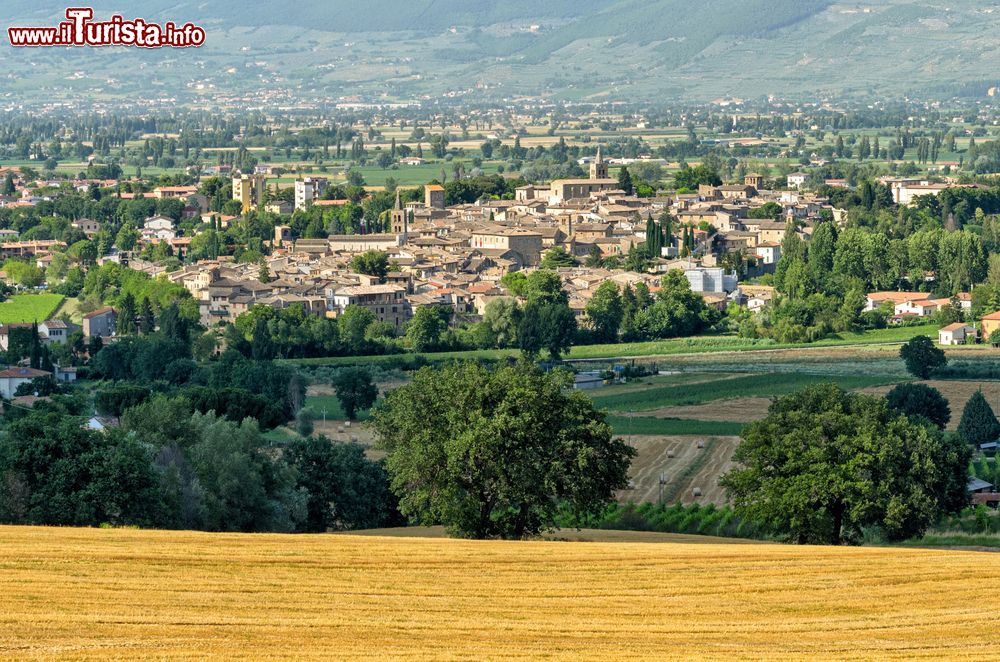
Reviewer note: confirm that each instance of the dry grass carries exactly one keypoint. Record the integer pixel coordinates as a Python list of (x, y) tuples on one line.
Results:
[(740, 410), (86, 594)]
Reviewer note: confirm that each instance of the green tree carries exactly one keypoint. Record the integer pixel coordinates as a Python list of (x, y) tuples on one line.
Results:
[(116, 400), (57, 472), (127, 314), (352, 325), (497, 453), (605, 310), (371, 263), (625, 181), (355, 390), (922, 356), (557, 257), (147, 318), (346, 490), (242, 488), (546, 325), (691, 178), (126, 238), (594, 258), (429, 323), (978, 424), (920, 401), (824, 463)]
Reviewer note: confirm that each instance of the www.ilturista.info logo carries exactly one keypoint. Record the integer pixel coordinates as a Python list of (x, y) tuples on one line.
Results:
[(79, 30)]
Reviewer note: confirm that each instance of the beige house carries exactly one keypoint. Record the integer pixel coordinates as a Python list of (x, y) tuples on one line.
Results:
[(526, 243), (387, 302)]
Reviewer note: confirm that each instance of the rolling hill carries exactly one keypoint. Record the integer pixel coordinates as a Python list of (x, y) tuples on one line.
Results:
[(105, 593), (590, 49)]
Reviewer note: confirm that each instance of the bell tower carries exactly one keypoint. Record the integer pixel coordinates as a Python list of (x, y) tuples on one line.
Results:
[(399, 218), (598, 168)]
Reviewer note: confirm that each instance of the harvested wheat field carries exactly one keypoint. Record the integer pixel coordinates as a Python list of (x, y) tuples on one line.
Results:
[(740, 410), (90, 593), (684, 467), (957, 392)]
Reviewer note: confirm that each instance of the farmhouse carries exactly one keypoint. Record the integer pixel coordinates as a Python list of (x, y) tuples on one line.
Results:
[(100, 322), (956, 334), (990, 323), (11, 378), (876, 299)]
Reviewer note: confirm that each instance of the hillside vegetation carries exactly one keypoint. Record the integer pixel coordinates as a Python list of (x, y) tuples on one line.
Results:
[(91, 593), (578, 50)]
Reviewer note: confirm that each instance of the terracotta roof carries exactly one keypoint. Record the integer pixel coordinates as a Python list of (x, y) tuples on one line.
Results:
[(99, 311), (23, 373)]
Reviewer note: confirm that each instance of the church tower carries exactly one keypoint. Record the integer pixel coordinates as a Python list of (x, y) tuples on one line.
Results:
[(598, 168), (399, 218)]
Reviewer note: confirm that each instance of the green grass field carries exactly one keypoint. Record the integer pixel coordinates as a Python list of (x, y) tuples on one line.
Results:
[(757, 385), (23, 308), (317, 403)]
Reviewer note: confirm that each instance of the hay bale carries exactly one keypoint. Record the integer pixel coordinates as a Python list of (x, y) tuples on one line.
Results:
[(701, 444), (347, 424), (671, 454), (696, 491)]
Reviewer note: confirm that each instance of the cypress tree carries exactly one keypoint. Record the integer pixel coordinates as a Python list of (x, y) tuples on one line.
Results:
[(979, 424), (147, 320), (126, 316), (625, 181), (654, 238)]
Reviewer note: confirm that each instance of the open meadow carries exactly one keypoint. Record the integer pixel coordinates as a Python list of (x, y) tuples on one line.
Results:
[(98, 593), (26, 308)]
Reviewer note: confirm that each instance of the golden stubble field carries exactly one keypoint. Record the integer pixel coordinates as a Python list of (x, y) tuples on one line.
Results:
[(87, 594)]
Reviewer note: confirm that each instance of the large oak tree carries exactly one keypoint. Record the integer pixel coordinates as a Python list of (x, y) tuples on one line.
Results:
[(825, 463), (497, 453)]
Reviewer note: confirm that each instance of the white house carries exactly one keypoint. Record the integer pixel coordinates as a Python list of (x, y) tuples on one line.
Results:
[(876, 299), (158, 228), (56, 331), (919, 308), (711, 279), (796, 179), (757, 302), (956, 334), (11, 378), (769, 252)]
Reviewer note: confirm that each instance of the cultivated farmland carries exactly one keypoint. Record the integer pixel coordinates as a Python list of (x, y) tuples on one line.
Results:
[(23, 308), (684, 467), (760, 385), (92, 593)]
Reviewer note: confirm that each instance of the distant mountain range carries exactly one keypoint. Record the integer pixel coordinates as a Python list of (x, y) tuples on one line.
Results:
[(579, 49)]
